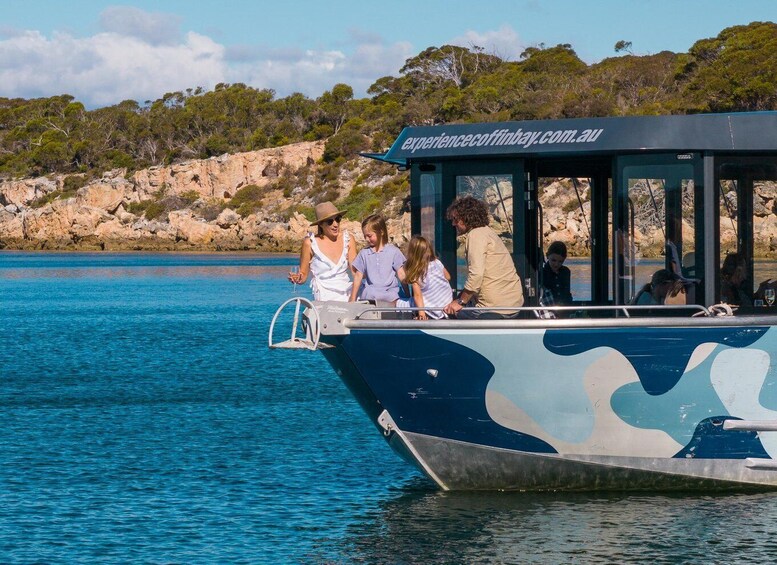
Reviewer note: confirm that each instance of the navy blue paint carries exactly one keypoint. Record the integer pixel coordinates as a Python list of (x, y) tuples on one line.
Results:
[(452, 405), (711, 441), (739, 131), (659, 355)]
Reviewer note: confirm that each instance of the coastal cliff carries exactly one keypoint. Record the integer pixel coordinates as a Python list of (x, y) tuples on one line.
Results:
[(195, 205), (262, 201)]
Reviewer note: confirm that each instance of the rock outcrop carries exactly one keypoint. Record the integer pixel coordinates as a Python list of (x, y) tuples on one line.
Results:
[(99, 215), (200, 214)]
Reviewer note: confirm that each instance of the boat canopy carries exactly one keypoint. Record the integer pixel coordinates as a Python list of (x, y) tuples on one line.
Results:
[(627, 195), (749, 132)]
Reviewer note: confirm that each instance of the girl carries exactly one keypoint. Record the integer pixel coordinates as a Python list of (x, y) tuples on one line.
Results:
[(428, 277), (327, 255), (378, 265)]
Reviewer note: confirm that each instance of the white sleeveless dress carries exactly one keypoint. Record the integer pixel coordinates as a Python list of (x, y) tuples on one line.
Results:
[(330, 281)]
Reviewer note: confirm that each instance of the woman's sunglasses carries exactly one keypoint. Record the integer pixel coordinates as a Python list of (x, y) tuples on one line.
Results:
[(331, 221)]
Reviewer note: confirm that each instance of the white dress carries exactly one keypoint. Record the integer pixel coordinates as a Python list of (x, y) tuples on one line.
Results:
[(330, 281)]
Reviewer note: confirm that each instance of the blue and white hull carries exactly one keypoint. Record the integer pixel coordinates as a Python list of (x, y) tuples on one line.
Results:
[(569, 404)]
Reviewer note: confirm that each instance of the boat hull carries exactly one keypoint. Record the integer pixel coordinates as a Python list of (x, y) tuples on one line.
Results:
[(585, 408)]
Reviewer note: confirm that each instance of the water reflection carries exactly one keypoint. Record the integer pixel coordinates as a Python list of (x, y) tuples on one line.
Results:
[(421, 525), (21, 265), (216, 271)]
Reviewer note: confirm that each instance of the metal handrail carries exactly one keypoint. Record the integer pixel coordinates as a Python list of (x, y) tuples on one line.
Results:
[(624, 308)]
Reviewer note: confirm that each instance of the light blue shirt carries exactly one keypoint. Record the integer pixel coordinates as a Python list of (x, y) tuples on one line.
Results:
[(379, 270)]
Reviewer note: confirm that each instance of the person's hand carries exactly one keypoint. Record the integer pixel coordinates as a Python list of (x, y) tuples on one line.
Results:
[(422, 315), (676, 288), (453, 308), (295, 278)]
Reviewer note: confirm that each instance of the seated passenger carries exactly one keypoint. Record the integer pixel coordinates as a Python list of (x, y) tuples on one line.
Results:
[(492, 280), (733, 275), (555, 276), (429, 279), (664, 286)]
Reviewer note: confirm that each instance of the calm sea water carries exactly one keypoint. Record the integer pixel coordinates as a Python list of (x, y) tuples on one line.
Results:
[(144, 420)]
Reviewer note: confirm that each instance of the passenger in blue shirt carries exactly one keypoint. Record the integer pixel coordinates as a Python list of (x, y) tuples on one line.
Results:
[(377, 266)]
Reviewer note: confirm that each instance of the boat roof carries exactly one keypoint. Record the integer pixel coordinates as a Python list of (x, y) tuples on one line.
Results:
[(735, 132)]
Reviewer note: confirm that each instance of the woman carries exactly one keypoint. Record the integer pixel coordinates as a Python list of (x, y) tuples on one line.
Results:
[(328, 255), (662, 284)]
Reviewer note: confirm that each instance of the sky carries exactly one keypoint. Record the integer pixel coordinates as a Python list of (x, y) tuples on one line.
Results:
[(103, 52)]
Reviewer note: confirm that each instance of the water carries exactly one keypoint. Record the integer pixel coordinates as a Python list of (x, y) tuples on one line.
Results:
[(144, 420)]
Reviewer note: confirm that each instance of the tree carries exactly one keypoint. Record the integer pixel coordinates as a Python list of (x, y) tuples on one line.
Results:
[(736, 71), (334, 105), (623, 46)]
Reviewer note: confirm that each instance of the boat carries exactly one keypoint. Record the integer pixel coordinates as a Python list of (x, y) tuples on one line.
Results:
[(601, 393)]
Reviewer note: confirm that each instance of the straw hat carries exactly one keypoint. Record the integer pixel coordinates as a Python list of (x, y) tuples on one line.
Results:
[(326, 210)]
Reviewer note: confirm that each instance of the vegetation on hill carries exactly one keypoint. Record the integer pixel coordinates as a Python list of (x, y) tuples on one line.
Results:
[(735, 71)]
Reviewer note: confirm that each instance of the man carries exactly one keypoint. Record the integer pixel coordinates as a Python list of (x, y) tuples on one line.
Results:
[(491, 277)]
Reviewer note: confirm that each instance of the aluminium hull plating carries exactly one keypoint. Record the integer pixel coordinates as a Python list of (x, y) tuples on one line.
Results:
[(523, 407)]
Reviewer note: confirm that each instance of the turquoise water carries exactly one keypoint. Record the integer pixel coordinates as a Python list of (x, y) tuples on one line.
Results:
[(144, 420)]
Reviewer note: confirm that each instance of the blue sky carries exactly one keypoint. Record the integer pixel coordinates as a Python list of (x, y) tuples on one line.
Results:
[(104, 52)]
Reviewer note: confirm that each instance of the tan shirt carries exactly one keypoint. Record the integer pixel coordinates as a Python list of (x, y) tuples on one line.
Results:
[(490, 270)]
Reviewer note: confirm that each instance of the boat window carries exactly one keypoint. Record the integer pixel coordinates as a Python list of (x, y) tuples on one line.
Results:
[(659, 227), (497, 192), (431, 209), (747, 196), (566, 217)]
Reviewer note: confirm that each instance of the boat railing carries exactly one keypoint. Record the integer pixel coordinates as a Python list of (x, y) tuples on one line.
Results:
[(308, 321), (551, 312)]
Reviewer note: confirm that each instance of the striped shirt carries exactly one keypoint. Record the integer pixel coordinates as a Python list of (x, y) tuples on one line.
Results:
[(435, 289)]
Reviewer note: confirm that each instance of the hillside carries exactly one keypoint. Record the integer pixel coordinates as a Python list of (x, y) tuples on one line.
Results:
[(248, 201), (263, 201), (237, 168)]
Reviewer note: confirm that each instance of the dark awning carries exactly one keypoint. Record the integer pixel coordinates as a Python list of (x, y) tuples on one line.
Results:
[(745, 131)]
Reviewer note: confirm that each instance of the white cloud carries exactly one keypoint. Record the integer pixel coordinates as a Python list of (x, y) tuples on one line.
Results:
[(141, 56), (106, 68), (503, 42), (312, 72)]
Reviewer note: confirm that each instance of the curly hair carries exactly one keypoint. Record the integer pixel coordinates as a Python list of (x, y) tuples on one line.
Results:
[(470, 210)]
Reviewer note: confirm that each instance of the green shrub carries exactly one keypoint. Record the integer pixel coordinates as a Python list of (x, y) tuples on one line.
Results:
[(154, 210), (73, 182), (345, 143), (191, 196), (70, 186), (248, 199), (363, 201), (570, 206)]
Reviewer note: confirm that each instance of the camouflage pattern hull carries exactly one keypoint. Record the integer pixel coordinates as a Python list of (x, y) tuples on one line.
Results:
[(571, 406)]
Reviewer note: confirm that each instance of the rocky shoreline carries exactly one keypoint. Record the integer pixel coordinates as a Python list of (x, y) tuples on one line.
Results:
[(111, 213)]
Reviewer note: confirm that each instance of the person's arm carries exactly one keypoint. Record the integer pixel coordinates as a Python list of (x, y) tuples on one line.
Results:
[(357, 284), (476, 248), (566, 284), (305, 256), (402, 276), (351, 249), (418, 298)]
